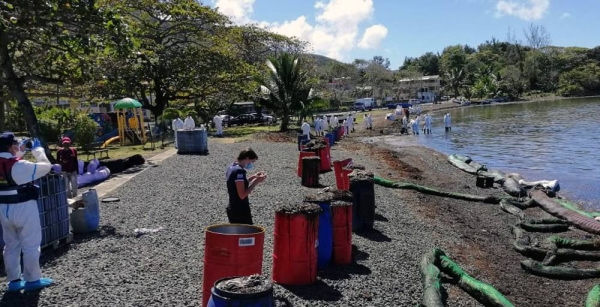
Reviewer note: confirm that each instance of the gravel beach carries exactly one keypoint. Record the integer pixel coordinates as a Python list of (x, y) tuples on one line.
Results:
[(184, 194)]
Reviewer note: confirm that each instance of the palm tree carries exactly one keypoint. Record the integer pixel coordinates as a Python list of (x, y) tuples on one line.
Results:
[(285, 87), (455, 79)]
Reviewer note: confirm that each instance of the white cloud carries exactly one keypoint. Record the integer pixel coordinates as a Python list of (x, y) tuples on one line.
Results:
[(565, 15), (524, 9), (334, 32), (373, 36), (238, 10)]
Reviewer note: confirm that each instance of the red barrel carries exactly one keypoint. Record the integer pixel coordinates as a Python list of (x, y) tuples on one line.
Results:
[(295, 249), (325, 159), (231, 250), (342, 232), (301, 155), (342, 181)]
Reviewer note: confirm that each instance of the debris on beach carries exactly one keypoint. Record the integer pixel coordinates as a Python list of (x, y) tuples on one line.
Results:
[(245, 284), (299, 208)]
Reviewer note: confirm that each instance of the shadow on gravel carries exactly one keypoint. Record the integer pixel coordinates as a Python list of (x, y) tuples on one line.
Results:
[(319, 291), (358, 255), (20, 299), (282, 302), (381, 218), (104, 232), (344, 272), (374, 235)]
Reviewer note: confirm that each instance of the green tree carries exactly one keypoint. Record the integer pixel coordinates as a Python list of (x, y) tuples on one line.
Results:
[(183, 51), (85, 130), (455, 78), (50, 41), (286, 87)]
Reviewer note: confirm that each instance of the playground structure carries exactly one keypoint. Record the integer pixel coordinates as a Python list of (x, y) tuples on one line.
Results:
[(130, 124)]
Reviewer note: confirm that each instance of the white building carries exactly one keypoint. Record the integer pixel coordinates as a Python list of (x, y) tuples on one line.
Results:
[(424, 88)]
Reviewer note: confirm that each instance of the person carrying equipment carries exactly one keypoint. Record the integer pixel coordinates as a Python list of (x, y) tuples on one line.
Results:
[(239, 186), (19, 214)]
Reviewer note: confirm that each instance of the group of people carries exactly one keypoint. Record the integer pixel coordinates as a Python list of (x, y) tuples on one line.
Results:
[(179, 124), (416, 126), (322, 124)]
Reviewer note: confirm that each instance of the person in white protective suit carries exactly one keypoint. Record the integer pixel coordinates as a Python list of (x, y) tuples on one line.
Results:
[(447, 122), (404, 125), (188, 123), (336, 120), (366, 121), (332, 122), (415, 125), (19, 214), (325, 122), (427, 124), (305, 129), (370, 122), (177, 125), (350, 123), (318, 126), (218, 124)]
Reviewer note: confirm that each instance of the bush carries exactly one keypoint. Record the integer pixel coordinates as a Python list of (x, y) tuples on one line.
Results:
[(170, 114), (51, 131), (85, 130)]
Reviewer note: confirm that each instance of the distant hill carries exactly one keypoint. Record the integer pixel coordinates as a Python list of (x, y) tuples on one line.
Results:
[(321, 60)]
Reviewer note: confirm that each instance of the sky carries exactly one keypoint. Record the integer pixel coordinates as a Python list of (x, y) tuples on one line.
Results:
[(349, 29)]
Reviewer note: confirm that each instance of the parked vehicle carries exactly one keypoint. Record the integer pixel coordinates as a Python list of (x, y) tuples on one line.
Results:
[(363, 104), (251, 118), (265, 118), (414, 101)]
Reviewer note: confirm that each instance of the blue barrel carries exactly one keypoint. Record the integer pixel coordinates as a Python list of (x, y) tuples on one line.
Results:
[(220, 298), (301, 138), (331, 138), (325, 247), (192, 141), (337, 133)]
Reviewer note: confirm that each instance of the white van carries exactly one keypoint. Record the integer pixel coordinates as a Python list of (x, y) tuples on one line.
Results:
[(363, 104)]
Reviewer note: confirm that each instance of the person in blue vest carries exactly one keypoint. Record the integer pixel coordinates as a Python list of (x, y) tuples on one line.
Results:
[(19, 214), (239, 187)]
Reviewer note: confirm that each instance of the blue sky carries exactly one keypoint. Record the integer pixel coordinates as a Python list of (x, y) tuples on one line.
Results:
[(349, 29)]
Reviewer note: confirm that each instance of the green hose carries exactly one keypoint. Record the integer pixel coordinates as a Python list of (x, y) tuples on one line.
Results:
[(574, 207), (539, 269), (575, 244), (482, 292), (593, 298), (432, 284), (427, 190)]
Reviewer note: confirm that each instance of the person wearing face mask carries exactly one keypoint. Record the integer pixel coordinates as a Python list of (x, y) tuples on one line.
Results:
[(67, 157), (19, 214), (239, 187)]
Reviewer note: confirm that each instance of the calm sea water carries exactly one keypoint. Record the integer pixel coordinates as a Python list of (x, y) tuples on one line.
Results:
[(540, 140)]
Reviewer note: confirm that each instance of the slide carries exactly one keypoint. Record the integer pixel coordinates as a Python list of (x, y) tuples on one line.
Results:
[(115, 138), (105, 137)]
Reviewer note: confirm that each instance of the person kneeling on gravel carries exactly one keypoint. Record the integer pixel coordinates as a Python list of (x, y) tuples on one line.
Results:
[(20, 216), (239, 186)]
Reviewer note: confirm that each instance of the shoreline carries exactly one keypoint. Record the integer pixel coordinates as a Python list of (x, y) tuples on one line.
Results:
[(481, 233)]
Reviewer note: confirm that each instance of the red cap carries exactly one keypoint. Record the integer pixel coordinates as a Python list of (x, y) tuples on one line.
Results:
[(66, 140)]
